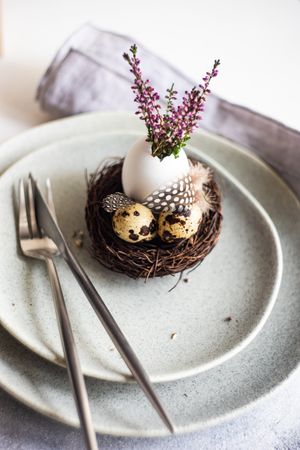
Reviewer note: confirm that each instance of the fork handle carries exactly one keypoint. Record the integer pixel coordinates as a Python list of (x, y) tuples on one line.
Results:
[(71, 358)]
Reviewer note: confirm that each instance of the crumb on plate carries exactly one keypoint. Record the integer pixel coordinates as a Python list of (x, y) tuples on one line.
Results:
[(228, 319)]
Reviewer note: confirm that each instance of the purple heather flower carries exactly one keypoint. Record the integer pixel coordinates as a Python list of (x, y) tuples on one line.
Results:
[(168, 132)]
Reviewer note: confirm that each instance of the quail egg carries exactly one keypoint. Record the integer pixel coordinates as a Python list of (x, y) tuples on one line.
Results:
[(134, 223), (173, 226)]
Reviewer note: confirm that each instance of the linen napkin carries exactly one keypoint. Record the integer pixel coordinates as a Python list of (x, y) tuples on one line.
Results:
[(89, 74)]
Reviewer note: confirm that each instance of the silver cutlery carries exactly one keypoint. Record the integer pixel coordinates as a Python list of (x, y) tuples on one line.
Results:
[(35, 244), (48, 224)]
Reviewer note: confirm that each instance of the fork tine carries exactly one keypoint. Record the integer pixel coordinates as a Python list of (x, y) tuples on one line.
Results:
[(24, 231), (50, 201), (32, 218)]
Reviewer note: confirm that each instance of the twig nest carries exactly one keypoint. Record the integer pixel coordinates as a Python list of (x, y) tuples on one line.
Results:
[(174, 226), (134, 223), (146, 259)]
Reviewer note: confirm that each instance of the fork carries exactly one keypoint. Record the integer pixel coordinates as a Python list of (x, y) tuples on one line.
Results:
[(35, 245)]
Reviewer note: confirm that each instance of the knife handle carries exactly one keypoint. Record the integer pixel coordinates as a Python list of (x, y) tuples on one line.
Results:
[(116, 335)]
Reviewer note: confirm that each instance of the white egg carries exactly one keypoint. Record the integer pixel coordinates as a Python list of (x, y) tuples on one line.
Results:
[(143, 174)]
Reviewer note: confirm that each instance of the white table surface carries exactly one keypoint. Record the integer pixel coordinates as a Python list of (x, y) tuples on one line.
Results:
[(258, 43), (256, 40)]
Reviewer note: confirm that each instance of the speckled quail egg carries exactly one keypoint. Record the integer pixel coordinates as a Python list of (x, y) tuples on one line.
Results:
[(172, 226), (134, 223)]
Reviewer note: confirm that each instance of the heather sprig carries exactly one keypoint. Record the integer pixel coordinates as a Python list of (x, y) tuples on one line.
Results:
[(145, 96), (169, 131), (170, 97)]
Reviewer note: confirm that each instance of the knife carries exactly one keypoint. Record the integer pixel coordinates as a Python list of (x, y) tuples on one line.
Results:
[(51, 229)]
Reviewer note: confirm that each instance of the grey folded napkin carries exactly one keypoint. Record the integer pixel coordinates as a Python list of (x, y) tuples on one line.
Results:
[(89, 74)]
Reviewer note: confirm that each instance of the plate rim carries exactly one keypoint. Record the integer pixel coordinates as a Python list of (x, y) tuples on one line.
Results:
[(43, 129), (197, 369)]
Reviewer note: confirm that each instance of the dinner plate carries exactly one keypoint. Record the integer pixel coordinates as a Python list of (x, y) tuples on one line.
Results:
[(239, 280), (195, 402)]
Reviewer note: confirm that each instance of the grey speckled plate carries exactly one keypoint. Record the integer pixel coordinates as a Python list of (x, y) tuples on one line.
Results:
[(240, 278), (202, 400)]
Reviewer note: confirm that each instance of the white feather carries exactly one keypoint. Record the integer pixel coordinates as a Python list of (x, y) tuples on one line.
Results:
[(200, 176)]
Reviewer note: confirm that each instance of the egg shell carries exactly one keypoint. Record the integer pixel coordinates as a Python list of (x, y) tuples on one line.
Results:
[(134, 223), (173, 226), (143, 174)]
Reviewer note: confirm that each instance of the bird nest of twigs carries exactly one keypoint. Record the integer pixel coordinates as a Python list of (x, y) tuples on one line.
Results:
[(145, 259)]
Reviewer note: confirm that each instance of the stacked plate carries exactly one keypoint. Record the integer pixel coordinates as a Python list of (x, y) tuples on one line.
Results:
[(225, 337)]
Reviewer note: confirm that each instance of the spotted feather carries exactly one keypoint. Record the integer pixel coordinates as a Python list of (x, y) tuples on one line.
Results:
[(175, 196), (115, 201)]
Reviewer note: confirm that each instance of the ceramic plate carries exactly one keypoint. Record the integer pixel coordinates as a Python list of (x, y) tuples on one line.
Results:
[(240, 279), (207, 398)]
